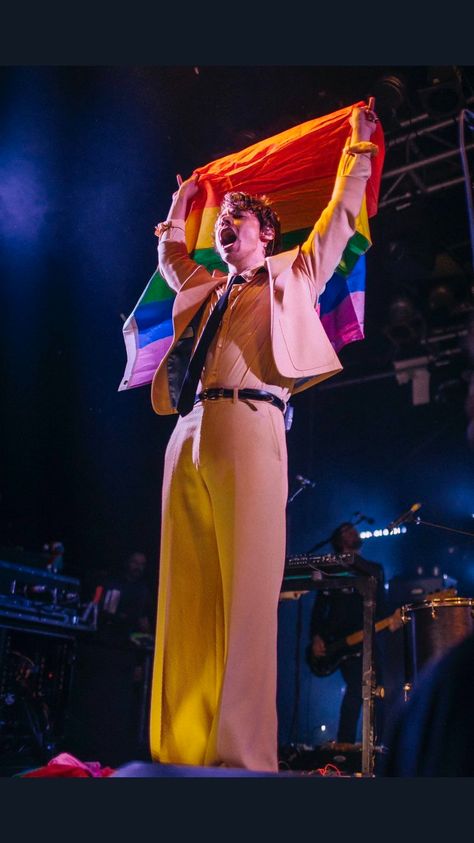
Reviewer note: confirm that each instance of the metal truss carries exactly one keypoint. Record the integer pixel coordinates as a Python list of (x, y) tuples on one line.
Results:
[(440, 351), (423, 156)]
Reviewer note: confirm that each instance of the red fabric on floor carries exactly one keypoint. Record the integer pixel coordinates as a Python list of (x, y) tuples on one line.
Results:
[(67, 766)]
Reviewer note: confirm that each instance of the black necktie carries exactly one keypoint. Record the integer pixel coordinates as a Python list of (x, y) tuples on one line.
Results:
[(193, 372)]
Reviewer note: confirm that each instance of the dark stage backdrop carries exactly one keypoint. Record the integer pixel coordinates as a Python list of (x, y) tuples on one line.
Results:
[(87, 167)]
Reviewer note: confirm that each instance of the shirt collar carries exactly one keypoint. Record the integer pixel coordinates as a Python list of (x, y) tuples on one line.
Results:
[(249, 274)]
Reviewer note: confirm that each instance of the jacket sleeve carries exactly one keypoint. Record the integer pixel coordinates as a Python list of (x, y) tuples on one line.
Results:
[(174, 263), (323, 249)]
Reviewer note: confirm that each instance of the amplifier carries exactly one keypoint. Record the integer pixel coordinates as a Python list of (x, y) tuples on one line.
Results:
[(403, 590)]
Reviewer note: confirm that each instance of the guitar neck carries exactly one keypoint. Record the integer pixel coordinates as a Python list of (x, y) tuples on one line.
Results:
[(357, 637), (336, 651)]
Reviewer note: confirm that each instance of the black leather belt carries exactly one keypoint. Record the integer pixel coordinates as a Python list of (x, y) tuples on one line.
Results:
[(249, 394)]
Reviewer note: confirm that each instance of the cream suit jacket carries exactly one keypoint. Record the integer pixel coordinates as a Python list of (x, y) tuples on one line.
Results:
[(300, 345)]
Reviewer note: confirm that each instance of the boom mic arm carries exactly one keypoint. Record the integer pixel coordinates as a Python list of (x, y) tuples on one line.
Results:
[(406, 516)]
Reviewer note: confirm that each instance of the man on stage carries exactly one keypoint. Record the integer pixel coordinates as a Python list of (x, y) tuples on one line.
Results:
[(255, 339)]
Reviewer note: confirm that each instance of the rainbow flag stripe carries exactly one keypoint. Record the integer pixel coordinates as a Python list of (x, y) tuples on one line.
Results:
[(296, 171)]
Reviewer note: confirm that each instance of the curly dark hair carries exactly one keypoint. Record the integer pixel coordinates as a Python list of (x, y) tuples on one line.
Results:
[(260, 206)]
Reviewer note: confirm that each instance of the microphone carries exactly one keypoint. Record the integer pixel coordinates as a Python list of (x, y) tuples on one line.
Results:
[(303, 481), (405, 517)]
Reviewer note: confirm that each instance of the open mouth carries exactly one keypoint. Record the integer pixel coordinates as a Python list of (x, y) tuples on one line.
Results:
[(227, 236)]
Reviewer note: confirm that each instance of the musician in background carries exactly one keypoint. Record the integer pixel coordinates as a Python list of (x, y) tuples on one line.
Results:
[(127, 605), (338, 613)]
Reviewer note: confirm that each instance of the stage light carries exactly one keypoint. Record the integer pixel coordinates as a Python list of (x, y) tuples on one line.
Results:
[(449, 294), (405, 322), (401, 310), (383, 533), (390, 94), (441, 300), (443, 97)]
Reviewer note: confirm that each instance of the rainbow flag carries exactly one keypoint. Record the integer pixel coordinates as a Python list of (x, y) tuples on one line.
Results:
[(296, 170)]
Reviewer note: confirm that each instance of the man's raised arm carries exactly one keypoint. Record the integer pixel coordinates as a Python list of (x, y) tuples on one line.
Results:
[(323, 249), (174, 263)]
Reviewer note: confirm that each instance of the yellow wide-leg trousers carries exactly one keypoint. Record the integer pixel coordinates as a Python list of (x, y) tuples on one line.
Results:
[(221, 566)]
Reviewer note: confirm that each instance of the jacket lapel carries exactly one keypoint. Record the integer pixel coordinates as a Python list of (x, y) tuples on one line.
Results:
[(192, 295)]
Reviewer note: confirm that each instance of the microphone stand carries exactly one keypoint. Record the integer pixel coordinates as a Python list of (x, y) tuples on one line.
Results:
[(299, 618), (326, 541), (294, 495), (305, 485), (418, 520), (319, 544)]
